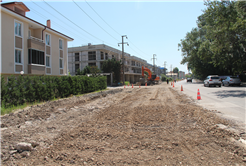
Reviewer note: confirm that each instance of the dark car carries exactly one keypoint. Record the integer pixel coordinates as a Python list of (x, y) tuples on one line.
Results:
[(189, 79)]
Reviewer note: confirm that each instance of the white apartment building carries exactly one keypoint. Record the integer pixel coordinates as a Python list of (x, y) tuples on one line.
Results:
[(94, 55)]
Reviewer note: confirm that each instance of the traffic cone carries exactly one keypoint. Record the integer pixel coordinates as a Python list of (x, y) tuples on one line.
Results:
[(173, 84), (124, 86), (181, 88), (132, 85), (145, 84), (128, 83), (198, 95), (139, 86)]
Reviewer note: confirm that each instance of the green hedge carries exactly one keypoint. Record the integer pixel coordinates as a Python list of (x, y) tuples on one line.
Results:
[(28, 89)]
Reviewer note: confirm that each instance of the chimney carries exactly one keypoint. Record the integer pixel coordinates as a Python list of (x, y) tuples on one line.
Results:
[(48, 23)]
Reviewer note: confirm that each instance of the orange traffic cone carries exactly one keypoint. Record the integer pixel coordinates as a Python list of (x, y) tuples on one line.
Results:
[(139, 86), (173, 84), (132, 85), (198, 95), (124, 86), (145, 84), (128, 83), (181, 88)]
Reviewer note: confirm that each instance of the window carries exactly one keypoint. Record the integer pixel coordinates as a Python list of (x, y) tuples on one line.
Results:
[(76, 67), (133, 63), (18, 29), (92, 55), (35, 57), (102, 55), (60, 44), (47, 39), (47, 61), (61, 64), (76, 56), (18, 56), (112, 56), (92, 64), (106, 56)]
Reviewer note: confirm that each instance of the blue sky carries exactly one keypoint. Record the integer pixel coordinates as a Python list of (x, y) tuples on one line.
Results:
[(152, 27)]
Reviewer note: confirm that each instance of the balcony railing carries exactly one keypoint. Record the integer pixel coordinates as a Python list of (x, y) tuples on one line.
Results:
[(37, 39), (36, 43)]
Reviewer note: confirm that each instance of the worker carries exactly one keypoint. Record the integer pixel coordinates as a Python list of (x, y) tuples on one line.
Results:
[(167, 81)]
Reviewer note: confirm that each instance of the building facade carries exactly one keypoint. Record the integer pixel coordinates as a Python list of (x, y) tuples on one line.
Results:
[(94, 55), (181, 75), (28, 46)]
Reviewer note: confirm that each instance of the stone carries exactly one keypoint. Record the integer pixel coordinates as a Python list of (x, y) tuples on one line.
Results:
[(2, 155), (23, 146), (158, 158), (34, 144), (12, 152), (25, 154)]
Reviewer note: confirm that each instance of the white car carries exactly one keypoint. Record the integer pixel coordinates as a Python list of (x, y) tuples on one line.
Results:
[(212, 80), (232, 80)]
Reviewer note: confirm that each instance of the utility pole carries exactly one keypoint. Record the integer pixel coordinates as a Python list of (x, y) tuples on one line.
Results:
[(171, 71), (165, 64), (154, 61), (123, 57)]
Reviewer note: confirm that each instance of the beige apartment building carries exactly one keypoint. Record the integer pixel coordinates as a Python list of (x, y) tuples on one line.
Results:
[(29, 46), (94, 55)]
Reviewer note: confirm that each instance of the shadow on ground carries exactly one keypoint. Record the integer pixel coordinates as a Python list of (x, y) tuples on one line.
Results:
[(231, 93)]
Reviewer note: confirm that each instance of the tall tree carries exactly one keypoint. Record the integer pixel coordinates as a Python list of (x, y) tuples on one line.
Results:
[(217, 45), (112, 66)]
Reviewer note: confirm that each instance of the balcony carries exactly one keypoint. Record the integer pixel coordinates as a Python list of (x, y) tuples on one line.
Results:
[(35, 43), (36, 69)]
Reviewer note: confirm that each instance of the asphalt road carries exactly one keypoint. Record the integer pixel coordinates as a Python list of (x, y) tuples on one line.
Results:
[(228, 101)]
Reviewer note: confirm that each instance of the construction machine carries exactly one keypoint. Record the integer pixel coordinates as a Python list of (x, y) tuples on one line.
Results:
[(151, 79)]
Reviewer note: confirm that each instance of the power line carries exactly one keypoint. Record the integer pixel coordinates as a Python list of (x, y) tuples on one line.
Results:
[(55, 22), (113, 28), (72, 22), (102, 18), (94, 21)]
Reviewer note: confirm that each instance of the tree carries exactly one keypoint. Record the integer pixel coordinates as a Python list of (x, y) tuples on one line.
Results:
[(217, 45), (88, 70), (112, 66), (176, 70)]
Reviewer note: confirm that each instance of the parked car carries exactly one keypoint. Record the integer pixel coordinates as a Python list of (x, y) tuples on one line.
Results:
[(212, 80), (189, 79), (232, 80)]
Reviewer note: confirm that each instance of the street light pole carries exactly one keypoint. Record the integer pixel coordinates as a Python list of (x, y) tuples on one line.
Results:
[(123, 57)]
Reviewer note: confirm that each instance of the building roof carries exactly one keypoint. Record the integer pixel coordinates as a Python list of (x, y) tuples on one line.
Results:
[(4, 6)]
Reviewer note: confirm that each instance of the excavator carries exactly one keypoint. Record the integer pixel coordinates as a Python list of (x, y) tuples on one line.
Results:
[(152, 79)]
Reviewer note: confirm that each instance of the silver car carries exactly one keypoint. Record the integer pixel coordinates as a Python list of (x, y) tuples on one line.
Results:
[(212, 80), (232, 80)]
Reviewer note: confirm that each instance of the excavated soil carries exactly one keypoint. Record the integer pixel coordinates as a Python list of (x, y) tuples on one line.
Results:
[(152, 125)]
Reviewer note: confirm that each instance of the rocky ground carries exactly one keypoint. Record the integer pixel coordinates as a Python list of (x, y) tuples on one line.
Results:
[(152, 125)]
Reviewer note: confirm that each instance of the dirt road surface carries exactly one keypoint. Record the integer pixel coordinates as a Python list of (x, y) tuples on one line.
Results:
[(152, 125)]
